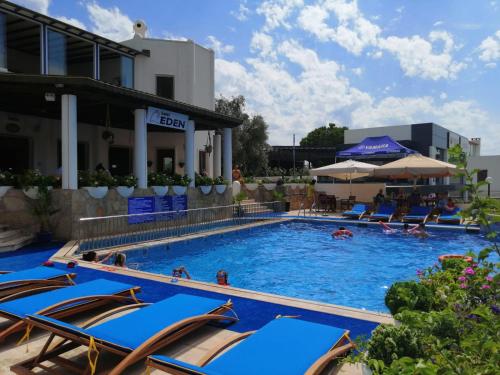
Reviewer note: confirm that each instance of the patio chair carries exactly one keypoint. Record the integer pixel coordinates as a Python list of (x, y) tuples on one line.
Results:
[(65, 302), (33, 280), (285, 346), (133, 336), (417, 214), (357, 211), (452, 217), (385, 212)]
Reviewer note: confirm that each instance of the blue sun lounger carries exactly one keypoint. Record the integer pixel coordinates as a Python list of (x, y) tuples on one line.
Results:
[(33, 280), (452, 217), (133, 336), (357, 211), (418, 214), (65, 302), (385, 212), (285, 346)]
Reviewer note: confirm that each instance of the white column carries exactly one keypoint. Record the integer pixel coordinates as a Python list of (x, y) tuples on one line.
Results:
[(140, 148), (189, 155), (228, 155), (69, 142), (217, 155)]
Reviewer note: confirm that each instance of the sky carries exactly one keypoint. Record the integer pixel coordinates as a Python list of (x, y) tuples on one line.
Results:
[(304, 63)]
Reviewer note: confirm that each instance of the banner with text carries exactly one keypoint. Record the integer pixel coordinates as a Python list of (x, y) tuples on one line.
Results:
[(175, 206), (167, 119)]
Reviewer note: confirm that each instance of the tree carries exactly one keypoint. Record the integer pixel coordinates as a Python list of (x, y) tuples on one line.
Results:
[(250, 145), (324, 136)]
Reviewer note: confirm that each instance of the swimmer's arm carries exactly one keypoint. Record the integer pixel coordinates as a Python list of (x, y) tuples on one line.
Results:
[(109, 255), (188, 276), (385, 225)]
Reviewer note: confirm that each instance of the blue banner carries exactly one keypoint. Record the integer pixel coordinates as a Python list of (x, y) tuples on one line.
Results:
[(144, 205), (141, 205)]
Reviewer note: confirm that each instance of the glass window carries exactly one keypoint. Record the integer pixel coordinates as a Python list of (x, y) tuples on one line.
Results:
[(116, 68), (19, 45), (165, 87), (56, 53), (68, 55)]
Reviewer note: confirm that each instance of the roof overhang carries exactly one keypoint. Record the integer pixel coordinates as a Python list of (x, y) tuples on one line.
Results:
[(25, 94)]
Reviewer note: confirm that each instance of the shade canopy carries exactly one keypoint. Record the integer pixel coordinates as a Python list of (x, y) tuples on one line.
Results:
[(376, 146), (346, 170), (416, 166)]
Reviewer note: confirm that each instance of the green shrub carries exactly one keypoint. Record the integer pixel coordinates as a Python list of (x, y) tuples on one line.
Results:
[(178, 180), (409, 295), (389, 343), (454, 264), (203, 180)]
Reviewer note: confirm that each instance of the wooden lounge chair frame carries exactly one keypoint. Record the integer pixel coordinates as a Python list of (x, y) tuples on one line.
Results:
[(12, 288), (164, 337), (341, 347), (67, 308)]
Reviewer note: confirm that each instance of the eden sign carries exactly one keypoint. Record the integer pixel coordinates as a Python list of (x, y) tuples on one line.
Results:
[(167, 119)]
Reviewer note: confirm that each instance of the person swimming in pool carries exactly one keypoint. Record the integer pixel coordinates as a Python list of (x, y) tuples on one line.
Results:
[(419, 231), (91, 256), (120, 260), (180, 271), (388, 230), (342, 233), (222, 278)]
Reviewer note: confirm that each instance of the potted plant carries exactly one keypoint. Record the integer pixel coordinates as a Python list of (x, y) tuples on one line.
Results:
[(250, 183), (43, 209), (125, 185), (7, 180), (280, 197), (159, 182), (237, 199), (31, 180), (96, 183), (220, 184), (204, 183), (180, 184), (268, 184)]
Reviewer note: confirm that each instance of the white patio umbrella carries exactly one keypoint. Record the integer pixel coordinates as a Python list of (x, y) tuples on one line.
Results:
[(346, 170), (416, 166)]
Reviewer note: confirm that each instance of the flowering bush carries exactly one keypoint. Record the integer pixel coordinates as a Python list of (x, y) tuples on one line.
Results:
[(128, 181), (179, 180), (7, 178), (33, 177), (94, 179), (159, 179), (220, 181), (203, 180)]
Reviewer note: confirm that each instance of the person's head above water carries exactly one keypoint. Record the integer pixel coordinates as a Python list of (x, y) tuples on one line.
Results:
[(341, 228), (406, 226), (120, 260), (421, 226), (222, 277), (90, 256)]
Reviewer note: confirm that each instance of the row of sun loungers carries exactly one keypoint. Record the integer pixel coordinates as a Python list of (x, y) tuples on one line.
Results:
[(283, 346), (386, 212)]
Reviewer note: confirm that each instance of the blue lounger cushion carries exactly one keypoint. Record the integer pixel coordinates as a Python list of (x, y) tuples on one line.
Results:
[(131, 330), (37, 273), (357, 210), (419, 211), (284, 346), (451, 216), (25, 306), (385, 210)]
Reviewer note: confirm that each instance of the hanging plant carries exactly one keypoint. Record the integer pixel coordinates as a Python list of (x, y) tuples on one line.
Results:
[(107, 134), (208, 147)]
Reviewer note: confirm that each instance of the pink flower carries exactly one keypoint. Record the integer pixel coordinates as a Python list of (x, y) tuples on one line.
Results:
[(419, 273), (462, 278), (474, 265), (485, 287), (469, 271), (489, 278), (463, 286)]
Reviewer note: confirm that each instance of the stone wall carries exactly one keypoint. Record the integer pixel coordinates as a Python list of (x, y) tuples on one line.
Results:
[(294, 193), (72, 205)]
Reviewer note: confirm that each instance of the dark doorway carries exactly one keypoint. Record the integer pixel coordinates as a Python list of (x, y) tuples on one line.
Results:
[(15, 153), (82, 155), (202, 162), (165, 161), (120, 161)]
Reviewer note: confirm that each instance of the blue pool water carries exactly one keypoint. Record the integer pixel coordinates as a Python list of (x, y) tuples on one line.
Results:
[(301, 259)]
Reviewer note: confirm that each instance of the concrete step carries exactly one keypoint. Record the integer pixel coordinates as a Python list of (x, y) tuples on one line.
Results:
[(15, 243), (3, 227), (5, 235)]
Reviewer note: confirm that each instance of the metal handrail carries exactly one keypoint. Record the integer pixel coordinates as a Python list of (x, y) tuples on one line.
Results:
[(119, 230)]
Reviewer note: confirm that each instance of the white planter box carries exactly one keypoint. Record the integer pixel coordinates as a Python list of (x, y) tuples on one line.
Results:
[(125, 191), (160, 190), (32, 191), (97, 192), (179, 190), (292, 185), (269, 186), (206, 189), (3, 190), (252, 186), (220, 188)]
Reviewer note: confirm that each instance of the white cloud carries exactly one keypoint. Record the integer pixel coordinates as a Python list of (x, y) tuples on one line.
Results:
[(375, 54), (490, 48), (491, 65), (262, 44), (352, 30), (417, 57), (110, 22), (219, 48), (242, 13), (170, 36), (357, 71), (72, 21), (277, 12), (443, 96), (41, 6), (438, 23)]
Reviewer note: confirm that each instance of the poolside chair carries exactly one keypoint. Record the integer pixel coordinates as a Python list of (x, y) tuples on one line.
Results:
[(385, 212), (452, 217), (357, 211), (65, 302), (285, 346), (133, 336), (417, 214), (33, 280)]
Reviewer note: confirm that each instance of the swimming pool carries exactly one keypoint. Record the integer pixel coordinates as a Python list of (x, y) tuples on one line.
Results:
[(300, 259)]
